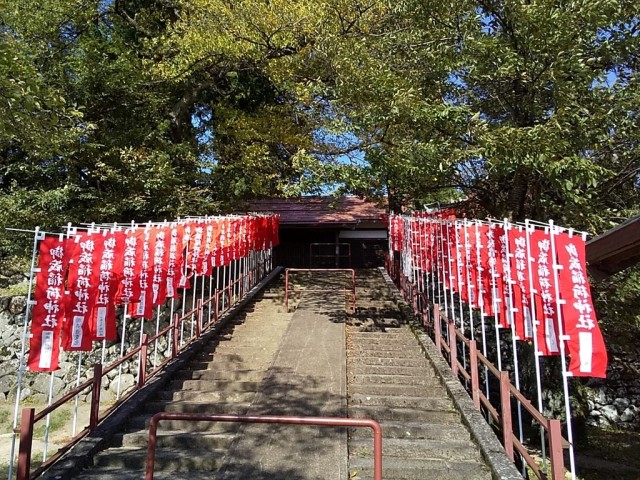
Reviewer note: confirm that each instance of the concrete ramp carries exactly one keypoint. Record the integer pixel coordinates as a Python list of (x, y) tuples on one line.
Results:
[(307, 378)]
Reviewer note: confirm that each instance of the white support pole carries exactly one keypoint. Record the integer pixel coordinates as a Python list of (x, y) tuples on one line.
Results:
[(536, 351), (480, 297), (194, 293), (77, 397), (467, 269), (511, 311), (442, 276), (122, 339), (37, 236), (451, 275), (171, 332), (563, 352), (155, 343), (48, 421), (495, 295), (461, 283)]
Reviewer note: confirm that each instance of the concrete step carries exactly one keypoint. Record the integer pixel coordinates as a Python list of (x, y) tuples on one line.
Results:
[(141, 422), (420, 449), (360, 369), (200, 378), (382, 379), (355, 352), (394, 334), (392, 390), (416, 430), (387, 343), (166, 459), (136, 474), (421, 403), (403, 414), (207, 367), (197, 407), (174, 439), (419, 362), (222, 395), (411, 469)]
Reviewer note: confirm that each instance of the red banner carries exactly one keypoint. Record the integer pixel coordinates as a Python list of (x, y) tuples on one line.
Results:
[(103, 318), (174, 261), (48, 311), (127, 291), (85, 252), (141, 305), (585, 342), (484, 282), (161, 245), (494, 262), (519, 267), (545, 296)]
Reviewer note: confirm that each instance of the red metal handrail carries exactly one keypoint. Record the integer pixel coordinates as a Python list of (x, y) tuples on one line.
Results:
[(29, 417), (277, 419), (502, 415)]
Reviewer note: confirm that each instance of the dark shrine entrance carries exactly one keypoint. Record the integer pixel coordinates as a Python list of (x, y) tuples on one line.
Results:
[(323, 232)]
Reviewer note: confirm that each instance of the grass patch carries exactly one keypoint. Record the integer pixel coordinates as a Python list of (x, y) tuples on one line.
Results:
[(59, 419)]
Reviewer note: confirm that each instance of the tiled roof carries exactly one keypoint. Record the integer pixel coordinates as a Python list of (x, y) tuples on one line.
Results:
[(320, 210)]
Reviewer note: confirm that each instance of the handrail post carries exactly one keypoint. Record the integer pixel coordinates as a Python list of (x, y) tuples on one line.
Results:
[(96, 390), (505, 408), (437, 326), (217, 306), (199, 318), (453, 354), (142, 374), (176, 321), (556, 455), (475, 381), (286, 290), (353, 282), (26, 441)]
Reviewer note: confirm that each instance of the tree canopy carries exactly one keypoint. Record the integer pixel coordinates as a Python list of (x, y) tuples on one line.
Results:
[(132, 109)]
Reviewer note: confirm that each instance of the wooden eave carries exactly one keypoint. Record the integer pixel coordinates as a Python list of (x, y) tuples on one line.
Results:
[(614, 250)]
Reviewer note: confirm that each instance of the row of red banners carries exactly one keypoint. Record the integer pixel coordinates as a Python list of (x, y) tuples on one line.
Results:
[(82, 278), (528, 279)]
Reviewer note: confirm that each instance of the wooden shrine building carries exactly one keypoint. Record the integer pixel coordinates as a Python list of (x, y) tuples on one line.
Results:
[(327, 232)]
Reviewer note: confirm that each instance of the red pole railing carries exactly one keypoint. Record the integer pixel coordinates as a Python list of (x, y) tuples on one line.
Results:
[(453, 348), (475, 380), (286, 420), (95, 396), (437, 326), (26, 440), (505, 410)]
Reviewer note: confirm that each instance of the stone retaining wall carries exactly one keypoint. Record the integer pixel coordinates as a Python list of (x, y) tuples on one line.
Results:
[(35, 386)]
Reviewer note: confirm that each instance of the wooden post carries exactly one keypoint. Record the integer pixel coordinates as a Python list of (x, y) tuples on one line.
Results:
[(95, 396), (437, 326), (505, 407), (26, 440), (556, 454), (199, 318), (176, 332), (453, 346), (475, 380)]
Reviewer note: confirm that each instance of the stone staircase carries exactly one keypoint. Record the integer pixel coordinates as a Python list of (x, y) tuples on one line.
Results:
[(223, 378), (268, 361), (390, 380)]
